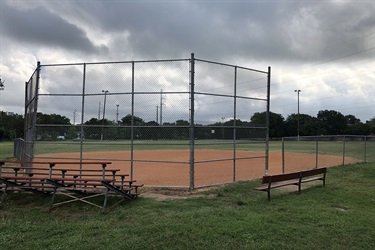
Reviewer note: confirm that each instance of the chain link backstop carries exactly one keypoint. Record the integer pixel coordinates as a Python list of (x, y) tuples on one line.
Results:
[(171, 118)]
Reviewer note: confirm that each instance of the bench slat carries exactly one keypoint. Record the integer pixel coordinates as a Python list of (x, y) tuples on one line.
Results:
[(21, 178)]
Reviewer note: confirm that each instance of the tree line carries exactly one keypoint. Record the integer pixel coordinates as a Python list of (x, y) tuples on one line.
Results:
[(55, 126)]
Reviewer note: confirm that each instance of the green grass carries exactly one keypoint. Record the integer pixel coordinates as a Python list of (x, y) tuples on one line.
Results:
[(6, 150), (340, 216)]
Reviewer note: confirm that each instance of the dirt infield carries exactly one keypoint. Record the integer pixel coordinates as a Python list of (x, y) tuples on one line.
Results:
[(171, 167)]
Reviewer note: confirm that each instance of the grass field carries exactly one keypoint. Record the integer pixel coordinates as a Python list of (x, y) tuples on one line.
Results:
[(354, 149), (340, 216), (6, 150)]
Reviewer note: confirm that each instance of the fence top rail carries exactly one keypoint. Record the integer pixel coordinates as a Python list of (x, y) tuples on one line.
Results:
[(150, 61), (119, 93), (114, 62), (231, 96), (231, 65), (2, 162), (327, 136)]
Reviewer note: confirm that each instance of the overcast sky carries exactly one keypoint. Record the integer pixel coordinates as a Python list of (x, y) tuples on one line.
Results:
[(325, 48)]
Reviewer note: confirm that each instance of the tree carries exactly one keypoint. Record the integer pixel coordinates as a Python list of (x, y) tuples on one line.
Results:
[(11, 125), (48, 132), (333, 122), (127, 120), (371, 124), (137, 122), (309, 125), (352, 120), (355, 126), (52, 119), (96, 128), (152, 131), (277, 126), (357, 129)]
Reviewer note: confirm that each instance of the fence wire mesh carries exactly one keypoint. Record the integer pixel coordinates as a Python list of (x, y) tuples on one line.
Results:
[(307, 152), (167, 122)]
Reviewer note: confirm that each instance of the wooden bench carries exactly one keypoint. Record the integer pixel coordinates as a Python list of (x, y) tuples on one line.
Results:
[(70, 182), (295, 179)]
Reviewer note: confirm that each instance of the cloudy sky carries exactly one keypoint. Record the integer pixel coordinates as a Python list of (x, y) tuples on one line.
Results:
[(325, 48)]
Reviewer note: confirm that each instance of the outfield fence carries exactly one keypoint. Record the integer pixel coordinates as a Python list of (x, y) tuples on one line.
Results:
[(141, 108), (343, 149)]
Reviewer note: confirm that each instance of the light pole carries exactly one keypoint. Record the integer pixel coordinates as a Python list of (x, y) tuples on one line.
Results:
[(222, 127), (100, 107), (1, 86), (117, 113), (298, 91), (105, 100), (74, 116)]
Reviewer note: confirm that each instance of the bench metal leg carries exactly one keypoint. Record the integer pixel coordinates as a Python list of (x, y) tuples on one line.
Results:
[(52, 200), (75, 198), (4, 194), (106, 198), (269, 191)]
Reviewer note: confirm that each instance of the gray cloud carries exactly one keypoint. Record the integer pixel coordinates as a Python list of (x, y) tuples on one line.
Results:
[(318, 40), (39, 27)]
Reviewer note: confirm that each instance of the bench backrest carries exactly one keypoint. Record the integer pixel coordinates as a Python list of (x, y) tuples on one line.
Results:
[(291, 176), (314, 172), (280, 177)]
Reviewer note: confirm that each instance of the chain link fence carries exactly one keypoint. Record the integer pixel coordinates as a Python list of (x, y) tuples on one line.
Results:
[(174, 119), (321, 151)]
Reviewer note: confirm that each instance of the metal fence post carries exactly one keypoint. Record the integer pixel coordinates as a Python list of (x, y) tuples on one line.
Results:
[(268, 118), (31, 115), (282, 156), (234, 122), (192, 72), (82, 116), (132, 126), (317, 152), (343, 151), (365, 158)]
